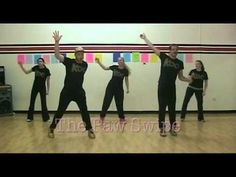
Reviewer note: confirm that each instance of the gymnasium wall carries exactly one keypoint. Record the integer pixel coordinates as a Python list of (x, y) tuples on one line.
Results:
[(214, 44)]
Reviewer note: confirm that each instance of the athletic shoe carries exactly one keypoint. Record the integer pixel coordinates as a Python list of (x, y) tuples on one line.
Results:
[(91, 134), (51, 133)]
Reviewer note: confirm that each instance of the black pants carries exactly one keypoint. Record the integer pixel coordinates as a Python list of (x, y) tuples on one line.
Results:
[(167, 97), (66, 97), (33, 96), (198, 94), (118, 93)]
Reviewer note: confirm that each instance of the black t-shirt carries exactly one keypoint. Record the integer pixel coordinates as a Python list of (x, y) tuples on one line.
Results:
[(118, 75), (74, 74), (198, 77), (169, 69), (40, 76)]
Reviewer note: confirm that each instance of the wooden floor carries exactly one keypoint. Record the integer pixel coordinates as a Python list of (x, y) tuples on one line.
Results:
[(141, 135)]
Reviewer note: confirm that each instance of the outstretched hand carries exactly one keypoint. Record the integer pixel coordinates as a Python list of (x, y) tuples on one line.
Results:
[(97, 60), (56, 36), (143, 36)]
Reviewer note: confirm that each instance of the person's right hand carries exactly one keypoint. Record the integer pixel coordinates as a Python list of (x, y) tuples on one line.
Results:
[(143, 36), (97, 60), (56, 36), (190, 80)]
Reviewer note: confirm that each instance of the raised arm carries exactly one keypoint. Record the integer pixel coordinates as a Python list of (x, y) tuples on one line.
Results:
[(100, 64), (156, 50), (23, 69), (127, 83), (57, 38)]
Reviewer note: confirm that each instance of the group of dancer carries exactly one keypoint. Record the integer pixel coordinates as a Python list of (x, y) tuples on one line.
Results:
[(73, 90)]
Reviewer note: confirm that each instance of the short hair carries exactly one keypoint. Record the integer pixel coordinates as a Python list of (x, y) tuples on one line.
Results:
[(79, 49), (173, 45), (40, 59)]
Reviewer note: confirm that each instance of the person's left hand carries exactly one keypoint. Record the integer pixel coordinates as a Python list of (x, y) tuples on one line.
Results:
[(203, 93)]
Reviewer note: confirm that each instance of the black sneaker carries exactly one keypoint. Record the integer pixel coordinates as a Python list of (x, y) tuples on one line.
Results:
[(51, 133), (29, 120), (102, 121), (173, 133), (182, 119), (91, 134), (123, 121), (47, 120), (163, 133)]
